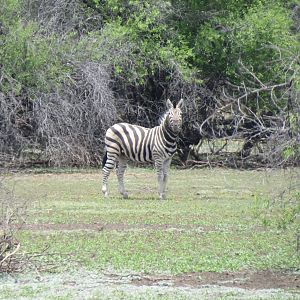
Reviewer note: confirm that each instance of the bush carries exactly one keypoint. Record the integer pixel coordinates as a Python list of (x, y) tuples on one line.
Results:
[(71, 68), (280, 212), (12, 216)]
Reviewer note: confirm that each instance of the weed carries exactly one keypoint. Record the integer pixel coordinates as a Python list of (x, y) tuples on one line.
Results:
[(280, 212)]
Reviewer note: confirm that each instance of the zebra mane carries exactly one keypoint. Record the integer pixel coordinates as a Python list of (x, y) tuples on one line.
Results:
[(163, 117)]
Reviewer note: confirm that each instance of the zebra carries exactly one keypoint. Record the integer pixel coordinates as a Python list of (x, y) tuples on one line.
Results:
[(125, 142)]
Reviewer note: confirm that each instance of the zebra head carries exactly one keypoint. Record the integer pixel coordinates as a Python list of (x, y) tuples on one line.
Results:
[(174, 116)]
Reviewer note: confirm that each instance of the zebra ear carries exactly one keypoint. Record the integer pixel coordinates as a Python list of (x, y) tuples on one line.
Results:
[(169, 104), (180, 104)]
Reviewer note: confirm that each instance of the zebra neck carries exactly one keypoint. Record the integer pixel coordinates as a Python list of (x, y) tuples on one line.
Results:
[(169, 135)]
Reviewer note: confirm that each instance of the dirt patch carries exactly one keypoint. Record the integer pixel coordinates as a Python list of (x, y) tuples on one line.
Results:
[(84, 284), (246, 280), (63, 227), (111, 226)]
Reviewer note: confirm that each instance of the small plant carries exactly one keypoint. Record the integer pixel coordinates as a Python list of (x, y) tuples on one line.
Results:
[(280, 212)]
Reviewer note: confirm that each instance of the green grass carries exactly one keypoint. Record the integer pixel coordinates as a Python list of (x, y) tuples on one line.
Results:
[(210, 219)]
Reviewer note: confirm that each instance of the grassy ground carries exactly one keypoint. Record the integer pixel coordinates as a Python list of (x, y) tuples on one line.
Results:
[(213, 221)]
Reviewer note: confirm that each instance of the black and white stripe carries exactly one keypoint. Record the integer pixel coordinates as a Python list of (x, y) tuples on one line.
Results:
[(131, 142)]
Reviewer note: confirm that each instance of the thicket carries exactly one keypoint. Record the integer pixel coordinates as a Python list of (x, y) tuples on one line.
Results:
[(69, 69)]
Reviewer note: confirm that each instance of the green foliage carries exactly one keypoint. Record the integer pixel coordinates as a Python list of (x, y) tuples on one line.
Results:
[(259, 39), (151, 49), (141, 37), (292, 151), (256, 36), (137, 40), (280, 212), (213, 44), (29, 59), (10, 10)]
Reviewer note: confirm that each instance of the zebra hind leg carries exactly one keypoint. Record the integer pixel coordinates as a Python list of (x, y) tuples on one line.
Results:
[(122, 165), (108, 166)]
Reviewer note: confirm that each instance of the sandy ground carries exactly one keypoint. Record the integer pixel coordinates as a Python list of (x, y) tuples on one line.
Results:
[(84, 284)]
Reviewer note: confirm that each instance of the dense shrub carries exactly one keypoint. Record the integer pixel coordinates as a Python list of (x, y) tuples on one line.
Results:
[(71, 68)]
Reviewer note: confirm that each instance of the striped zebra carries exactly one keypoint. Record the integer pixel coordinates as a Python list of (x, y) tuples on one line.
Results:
[(132, 142)]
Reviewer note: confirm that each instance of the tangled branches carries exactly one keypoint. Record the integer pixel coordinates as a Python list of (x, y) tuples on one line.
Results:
[(12, 215), (71, 122), (120, 63), (258, 113), (63, 17), (16, 127), (66, 125)]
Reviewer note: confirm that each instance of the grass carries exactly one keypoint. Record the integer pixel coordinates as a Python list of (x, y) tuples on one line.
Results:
[(158, 251), (208, 222)]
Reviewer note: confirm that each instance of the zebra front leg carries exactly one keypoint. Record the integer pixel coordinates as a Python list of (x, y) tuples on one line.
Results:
[(108, 166), (120, 174), (166, 167), (160, 178)]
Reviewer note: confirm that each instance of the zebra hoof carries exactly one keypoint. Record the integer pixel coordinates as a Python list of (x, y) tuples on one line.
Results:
[(105, 191), (125, 195), (162, 197)]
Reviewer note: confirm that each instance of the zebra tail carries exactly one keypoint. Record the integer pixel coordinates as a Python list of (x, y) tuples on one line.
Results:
[(104, 159)]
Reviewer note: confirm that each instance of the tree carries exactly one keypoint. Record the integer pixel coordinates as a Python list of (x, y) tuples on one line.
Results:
[(69, 69)]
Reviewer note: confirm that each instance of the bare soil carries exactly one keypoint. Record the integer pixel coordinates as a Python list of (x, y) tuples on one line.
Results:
[(247, 280), (109, 226)]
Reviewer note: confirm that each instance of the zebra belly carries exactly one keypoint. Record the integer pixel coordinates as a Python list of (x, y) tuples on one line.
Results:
[(143, 153)]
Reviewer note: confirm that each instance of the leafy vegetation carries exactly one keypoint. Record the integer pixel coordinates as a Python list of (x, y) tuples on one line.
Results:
[(235, 62), (279, 213)]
